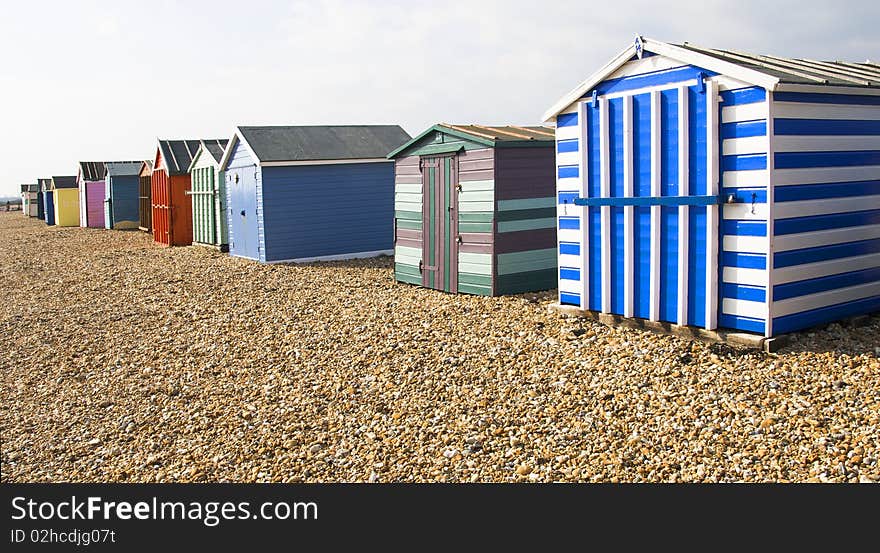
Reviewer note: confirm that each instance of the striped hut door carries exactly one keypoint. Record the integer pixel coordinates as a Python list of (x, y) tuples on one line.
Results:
[(649, 221), (439, 265)]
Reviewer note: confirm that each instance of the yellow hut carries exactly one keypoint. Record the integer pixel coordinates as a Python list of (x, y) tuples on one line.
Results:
[(66, 201)]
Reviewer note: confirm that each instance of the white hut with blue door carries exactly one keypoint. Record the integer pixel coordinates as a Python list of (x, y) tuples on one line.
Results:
[(719, 189), (308, 193)]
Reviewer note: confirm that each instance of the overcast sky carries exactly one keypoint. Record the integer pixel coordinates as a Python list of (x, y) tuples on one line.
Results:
[(95, 80)]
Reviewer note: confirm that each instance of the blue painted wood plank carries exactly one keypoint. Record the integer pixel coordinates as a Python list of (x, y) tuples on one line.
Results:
[(797, 225), (821, 98), (647, 201), (824, 253), (744, 129), (803, 160), (822, 191), (823, 284), (814, 317), (825, 127)]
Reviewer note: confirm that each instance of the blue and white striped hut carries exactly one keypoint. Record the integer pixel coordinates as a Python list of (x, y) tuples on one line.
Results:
[(719, 189)]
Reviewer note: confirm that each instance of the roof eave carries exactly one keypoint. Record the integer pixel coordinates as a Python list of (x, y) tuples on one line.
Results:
[(443, 129), (691, 57)]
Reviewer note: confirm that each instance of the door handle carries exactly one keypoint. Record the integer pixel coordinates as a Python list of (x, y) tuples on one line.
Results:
[(242, 213), (421, 265)]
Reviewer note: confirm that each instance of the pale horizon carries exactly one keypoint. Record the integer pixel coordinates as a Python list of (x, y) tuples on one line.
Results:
[(103, 80)]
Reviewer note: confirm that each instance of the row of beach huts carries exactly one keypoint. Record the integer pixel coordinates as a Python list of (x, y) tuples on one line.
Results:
[(678, 184)]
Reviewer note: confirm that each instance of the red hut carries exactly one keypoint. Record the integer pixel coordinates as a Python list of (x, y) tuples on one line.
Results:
[(169, 184)]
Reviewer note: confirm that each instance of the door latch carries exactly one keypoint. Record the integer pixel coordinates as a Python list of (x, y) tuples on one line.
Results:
[(421, 265)]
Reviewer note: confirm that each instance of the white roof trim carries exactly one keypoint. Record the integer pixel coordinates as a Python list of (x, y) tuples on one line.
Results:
[(196, 157), (828, 89), (325, 162), (690, 57), (237, 137)]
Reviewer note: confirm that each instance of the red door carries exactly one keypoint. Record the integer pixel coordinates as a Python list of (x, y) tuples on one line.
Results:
[(161, 198)]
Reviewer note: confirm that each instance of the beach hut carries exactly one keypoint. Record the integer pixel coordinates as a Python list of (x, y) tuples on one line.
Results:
[(40, 201), (305, 193), (29, 199), (208, 191), (145, 206), (720, 189), (475, 209), (23, 194), (90, 181), (48, 210), (170, 182), (121, 191), (66, 199)]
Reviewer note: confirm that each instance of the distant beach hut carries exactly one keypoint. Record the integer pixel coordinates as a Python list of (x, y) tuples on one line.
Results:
[(48, 210), (308, 193), (121, 189), (208, 191), (66, 199), (90, 181), (475, 209), (145, 208)]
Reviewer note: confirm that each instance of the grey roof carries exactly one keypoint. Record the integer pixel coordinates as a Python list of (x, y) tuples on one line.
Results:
[(91, 170), (64, 182), (314, 143), (44, 184), (120, 168), (800, 70), (215, 148), (148, 163), (178, 154)]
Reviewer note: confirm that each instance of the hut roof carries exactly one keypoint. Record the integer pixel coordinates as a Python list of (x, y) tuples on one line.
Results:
[(120, 168), (491, 136), (292, 144), (769, 72), (91, 170), (64, 182)]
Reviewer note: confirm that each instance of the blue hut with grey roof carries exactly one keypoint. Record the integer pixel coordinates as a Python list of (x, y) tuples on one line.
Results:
[(309, 193), (720, 189)]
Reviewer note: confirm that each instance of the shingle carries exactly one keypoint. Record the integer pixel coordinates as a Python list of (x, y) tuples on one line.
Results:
[(314, 143)]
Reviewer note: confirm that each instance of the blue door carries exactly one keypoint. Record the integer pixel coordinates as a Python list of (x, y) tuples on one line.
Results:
[(108, 208), (242, 212), (49, 207)]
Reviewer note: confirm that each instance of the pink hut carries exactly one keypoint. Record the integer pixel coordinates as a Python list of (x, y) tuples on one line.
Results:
[(90, 181)]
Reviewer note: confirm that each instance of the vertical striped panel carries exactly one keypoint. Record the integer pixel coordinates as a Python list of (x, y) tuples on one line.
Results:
[(743, 139)]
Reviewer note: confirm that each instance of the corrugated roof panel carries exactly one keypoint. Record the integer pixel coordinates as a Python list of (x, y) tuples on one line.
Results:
[(799, 70), (506, 133)]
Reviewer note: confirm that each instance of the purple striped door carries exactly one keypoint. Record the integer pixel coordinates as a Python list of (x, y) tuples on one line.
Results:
[(95, 204)]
